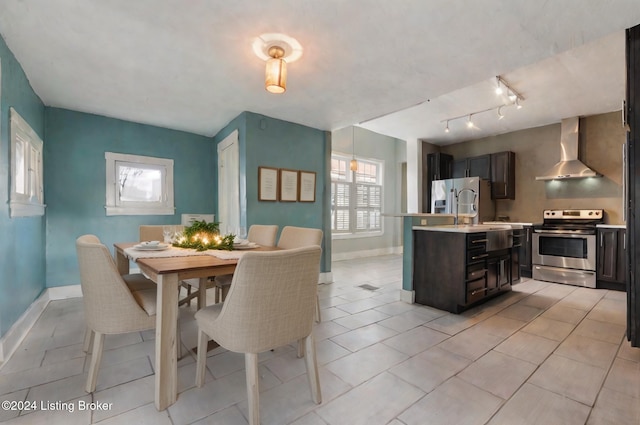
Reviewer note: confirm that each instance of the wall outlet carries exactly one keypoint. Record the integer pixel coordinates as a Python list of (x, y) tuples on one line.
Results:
[(423, 221)]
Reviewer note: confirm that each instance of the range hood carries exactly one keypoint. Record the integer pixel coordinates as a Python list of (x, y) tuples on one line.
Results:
[(569, 167)]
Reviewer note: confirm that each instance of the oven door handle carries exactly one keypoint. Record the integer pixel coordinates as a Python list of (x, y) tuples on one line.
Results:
[(561, 234)]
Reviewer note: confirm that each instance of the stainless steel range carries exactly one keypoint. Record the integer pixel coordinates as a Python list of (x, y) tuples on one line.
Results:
[(564, 247)]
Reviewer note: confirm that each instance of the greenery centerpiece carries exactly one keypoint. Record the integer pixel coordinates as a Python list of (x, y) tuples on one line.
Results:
[(202, 236)]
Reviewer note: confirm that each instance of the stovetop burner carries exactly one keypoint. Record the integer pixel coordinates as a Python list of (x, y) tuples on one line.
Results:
[(570, 221)]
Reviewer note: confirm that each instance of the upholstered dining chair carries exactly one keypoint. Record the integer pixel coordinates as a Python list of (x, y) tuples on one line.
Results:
[(150, 232), (270, 304), (296, 237), (110, 305), (261, 234)]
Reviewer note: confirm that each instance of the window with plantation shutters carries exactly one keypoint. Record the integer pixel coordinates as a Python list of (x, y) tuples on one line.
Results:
[(356, 197)]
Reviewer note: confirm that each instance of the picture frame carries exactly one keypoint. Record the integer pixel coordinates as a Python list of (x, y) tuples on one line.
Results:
[(306, 186), (288, 185), (267, 184)]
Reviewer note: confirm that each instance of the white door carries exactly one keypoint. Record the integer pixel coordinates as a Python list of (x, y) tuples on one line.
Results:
[(229, 183)]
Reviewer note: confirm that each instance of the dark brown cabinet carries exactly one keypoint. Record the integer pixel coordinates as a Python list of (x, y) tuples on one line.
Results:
[(453, 271), (503, 175), (437, 166), (611, 258), (525, 251), (477, 166), (518, 237)]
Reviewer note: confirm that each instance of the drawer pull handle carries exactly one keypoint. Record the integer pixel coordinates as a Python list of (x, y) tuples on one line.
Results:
[(480, 241), (477, 291), (477, 257)]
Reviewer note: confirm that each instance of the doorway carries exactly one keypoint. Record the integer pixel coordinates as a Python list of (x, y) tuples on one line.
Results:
[(229, 183)]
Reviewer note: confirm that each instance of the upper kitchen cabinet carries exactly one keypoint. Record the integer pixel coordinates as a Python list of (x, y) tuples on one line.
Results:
[(477, 166), (503, 175), (436, 166)]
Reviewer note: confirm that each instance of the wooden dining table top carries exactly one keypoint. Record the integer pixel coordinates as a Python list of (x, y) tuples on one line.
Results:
[(193, 263)]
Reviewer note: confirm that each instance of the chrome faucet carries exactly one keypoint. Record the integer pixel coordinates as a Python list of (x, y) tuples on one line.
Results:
[(457, 193)]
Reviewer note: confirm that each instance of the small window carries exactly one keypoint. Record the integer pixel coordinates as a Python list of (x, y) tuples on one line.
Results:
[(139, 185), (27, 194)]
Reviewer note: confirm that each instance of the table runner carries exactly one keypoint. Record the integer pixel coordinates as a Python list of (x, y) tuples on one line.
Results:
[(134, 254)]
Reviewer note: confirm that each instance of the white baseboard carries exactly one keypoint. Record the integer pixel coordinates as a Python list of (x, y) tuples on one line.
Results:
[(366, 253), (326, 277), (14, 336), (408, 296)]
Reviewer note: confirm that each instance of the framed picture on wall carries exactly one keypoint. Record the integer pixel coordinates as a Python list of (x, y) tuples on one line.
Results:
[(288, 185), (306, 186), (267, 184)]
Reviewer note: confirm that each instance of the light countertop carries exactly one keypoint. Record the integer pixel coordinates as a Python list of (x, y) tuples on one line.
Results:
[(465, 228)]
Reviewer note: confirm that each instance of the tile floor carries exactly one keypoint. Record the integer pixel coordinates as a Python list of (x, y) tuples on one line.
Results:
[(543, 354)]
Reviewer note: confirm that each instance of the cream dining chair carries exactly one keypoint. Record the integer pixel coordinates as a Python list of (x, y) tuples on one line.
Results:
[(296, 237), (261, 234), (270, 304), (110, 306)]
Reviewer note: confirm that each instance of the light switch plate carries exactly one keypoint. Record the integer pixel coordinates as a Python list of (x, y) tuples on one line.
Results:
[(423, 221)]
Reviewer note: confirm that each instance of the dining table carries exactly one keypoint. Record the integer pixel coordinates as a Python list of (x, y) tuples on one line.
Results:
[(167, 272)]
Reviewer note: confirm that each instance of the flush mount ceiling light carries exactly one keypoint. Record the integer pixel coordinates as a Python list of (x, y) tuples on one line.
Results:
[(277, 50)]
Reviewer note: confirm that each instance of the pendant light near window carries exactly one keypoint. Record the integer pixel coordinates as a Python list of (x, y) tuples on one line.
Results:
[(278, 50), (353, 165)]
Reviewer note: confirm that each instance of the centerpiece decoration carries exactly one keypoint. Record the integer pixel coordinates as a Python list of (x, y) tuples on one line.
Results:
[(202, 236)]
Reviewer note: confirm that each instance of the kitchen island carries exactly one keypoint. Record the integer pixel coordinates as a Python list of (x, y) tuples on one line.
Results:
[(456, 267)]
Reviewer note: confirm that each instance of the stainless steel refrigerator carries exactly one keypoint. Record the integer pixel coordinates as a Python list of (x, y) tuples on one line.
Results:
[(470, 195)]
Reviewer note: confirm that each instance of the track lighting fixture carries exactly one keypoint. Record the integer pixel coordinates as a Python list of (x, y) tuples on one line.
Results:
[(502, 87), (518, 105), (499, 90)]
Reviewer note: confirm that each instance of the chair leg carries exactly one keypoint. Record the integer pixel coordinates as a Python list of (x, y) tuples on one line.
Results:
[(253, 398), (88, 340), (202, 293), (301, 348), (318, 318), (94, 364), (312, 369), (203, 340)]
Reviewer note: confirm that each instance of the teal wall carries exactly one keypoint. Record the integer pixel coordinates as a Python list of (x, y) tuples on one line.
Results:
[(269, 142), (22, 251), (74, 170), (36, 253)]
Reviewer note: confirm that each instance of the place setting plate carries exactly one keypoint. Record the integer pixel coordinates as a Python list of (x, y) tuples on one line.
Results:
[(147, 246), (245, 245)]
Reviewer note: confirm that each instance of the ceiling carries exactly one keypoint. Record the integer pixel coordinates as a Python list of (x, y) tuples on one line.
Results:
[(397, 68)]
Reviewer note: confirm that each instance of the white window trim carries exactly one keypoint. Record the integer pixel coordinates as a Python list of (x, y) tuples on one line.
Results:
[(113, 205), (21, 204), (363, 233)]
